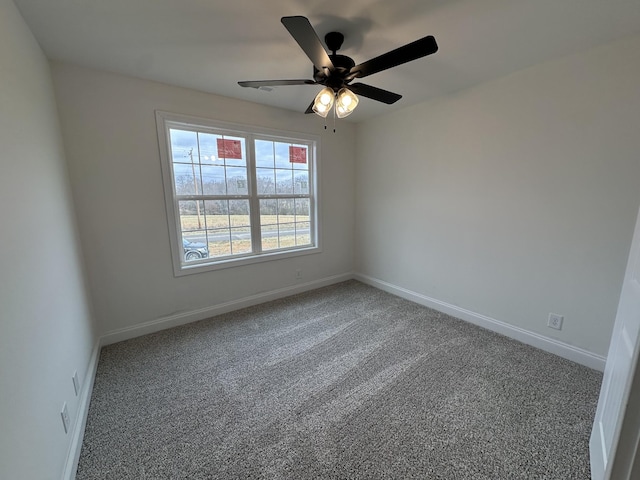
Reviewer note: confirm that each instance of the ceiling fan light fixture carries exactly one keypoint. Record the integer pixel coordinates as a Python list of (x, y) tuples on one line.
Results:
[(346, 102), (324, 101), (335, 71)]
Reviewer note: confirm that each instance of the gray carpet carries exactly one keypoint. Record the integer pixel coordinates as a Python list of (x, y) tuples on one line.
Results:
[(342, 382)]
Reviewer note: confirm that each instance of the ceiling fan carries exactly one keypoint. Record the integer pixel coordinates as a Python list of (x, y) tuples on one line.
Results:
[(336, 72)]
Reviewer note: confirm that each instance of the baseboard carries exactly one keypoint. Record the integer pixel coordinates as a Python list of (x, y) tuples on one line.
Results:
[(575, 354), (80, 422), (207, 312)]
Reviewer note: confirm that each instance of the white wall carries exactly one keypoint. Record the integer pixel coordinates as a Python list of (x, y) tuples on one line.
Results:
[(512, 199), (45, 327), (110, 137)]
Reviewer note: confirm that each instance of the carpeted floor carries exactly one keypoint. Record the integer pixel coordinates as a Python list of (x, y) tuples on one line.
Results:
[(341, 382)]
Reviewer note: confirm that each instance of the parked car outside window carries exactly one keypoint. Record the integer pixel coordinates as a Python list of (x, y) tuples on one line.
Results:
[(194, 250)]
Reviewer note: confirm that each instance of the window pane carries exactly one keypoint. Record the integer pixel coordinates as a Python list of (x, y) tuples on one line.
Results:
[(287, 234), (266, 181), (269, 224), (219, 242), (209, 149), (191, 215), (194, 245), (300, 182), (240, 240), (264, 153), (282, 155), (239, 209), (284, 181), (183, 145), (237, 181), (285, 223), (232, 150), (286, 219), (241, 223), (268, 211), (300, 165), (303, 233), (217, 213), (187, 179), (302, 209), (213, 180), (286, 210)]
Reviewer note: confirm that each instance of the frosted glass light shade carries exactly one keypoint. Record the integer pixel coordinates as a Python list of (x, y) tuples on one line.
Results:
[(324, 101), (346, 102)]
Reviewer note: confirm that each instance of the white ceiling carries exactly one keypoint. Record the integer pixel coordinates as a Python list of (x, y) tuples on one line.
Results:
[(209, 45)]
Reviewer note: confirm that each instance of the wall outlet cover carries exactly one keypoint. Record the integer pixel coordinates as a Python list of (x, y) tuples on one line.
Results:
[(76, 383), (66, 421), (555, 321)]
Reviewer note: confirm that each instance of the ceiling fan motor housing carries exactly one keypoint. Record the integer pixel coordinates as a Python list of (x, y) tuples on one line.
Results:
[(335, 79), (334, 41)]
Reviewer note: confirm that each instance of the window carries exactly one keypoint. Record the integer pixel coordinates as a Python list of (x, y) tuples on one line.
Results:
[(236, 194)]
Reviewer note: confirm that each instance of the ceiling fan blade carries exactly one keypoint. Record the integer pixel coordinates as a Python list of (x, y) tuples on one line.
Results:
[(412, 51), (310, 108), (303, 33), (374, 93), (274, 83)]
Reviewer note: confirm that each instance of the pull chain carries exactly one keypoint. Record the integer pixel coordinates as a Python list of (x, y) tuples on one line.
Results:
[(334, 119)]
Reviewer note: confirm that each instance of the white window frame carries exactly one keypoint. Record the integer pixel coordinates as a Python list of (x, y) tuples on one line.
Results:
[(167, 120)]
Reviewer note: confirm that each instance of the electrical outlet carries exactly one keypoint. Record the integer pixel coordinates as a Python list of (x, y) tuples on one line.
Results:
[(76, 383), (66, 421), (555, 321), (298, 274)]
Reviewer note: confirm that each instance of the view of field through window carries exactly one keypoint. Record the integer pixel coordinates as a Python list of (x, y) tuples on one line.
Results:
[(217, 185)]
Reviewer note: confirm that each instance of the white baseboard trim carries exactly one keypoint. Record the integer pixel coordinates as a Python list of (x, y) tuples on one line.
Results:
[(80, 422), (207, 312), (575, 354)]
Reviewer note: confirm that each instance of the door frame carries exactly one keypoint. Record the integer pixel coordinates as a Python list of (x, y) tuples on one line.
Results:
[(622, 460)]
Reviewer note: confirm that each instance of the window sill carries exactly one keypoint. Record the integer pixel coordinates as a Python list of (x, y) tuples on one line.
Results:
[(182, 270)]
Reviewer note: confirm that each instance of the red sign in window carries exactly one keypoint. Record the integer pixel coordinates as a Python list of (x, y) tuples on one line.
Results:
[(229, 148), (297, 154)]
